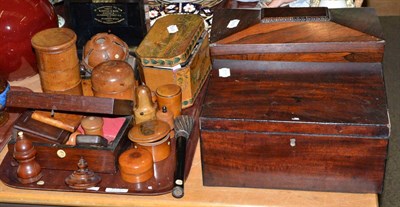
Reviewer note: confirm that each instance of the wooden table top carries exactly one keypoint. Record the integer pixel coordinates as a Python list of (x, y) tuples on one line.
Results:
[(195, 193)]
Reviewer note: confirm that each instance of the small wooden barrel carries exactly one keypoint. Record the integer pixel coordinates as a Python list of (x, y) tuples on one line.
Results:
[(58, 62), (113, 79), (136, 165)]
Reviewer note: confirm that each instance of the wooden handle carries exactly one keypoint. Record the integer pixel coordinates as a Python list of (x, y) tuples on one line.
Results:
[(178, 191)]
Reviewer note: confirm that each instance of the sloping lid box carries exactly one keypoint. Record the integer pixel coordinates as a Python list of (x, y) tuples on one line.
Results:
[(296, 30), (170, 40), (344, 99)]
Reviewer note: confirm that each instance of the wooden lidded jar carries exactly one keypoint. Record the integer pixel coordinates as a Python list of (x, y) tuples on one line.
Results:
[(170, 96), (153, 136), (57, 60), (114, 79), (92, 125), (103, 47), (136, 165)]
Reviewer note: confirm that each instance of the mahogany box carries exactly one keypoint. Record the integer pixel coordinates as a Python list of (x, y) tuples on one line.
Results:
[(297, 34), (295, 125), (53, 152)]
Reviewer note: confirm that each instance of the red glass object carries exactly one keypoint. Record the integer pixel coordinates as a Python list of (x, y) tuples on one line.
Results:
[(19, 21)]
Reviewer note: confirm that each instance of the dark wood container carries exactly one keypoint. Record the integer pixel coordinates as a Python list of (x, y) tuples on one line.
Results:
[(298, 34), (59, 156), (123, 18), (291, 125)]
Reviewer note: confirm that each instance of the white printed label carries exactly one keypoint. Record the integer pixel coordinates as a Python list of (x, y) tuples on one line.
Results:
[(233, 23), (116, 190), (224, 72), (93, 188), (172, 29)]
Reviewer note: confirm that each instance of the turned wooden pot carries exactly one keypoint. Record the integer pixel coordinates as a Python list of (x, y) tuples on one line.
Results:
[(57, 60), (113, 79), (103, 47), (154, 137), (136, 165)]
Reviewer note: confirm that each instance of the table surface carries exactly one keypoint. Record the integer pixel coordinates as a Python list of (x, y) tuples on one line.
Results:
[(195, 193)]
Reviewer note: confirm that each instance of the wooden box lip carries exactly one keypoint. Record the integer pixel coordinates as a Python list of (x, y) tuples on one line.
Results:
[(214, 118)]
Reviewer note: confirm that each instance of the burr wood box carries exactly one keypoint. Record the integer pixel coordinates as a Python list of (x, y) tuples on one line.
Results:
[(295, 125), (53, 152), (175, 51), (297, 34)]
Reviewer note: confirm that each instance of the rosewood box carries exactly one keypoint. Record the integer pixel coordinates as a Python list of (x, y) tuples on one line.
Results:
[(295, 125), (53, 152), (297, 34)]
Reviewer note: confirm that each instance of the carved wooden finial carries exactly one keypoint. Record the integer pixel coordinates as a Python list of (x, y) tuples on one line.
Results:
[(82, 178)]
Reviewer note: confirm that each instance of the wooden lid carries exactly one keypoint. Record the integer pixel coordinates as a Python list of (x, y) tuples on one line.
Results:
[(149, 131), (135, 161), (346, 99), (112, 76), (92, 122), (168, 90), (54, 39), (170, 40)]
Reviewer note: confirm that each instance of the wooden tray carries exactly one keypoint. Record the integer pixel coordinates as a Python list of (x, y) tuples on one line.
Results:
[(161, 183)]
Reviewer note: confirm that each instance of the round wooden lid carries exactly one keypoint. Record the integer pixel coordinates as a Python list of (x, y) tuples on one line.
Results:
[(149, 131), (92, 122), (53, 39), (112, 76), (168, 90), (135, 161)]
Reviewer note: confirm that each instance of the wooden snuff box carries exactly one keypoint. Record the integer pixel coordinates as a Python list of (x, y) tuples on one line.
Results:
[(295, 125), (53, 152), (175, 51), (297, 34)]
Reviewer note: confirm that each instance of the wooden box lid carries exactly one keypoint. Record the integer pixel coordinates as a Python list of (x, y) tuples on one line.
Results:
[(170, 40), (346, 99), (294, 30)]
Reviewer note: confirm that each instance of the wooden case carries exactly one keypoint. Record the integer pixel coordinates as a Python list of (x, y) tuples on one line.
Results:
[(291, 125), (59, 156), (297, 34), (180, 58)]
